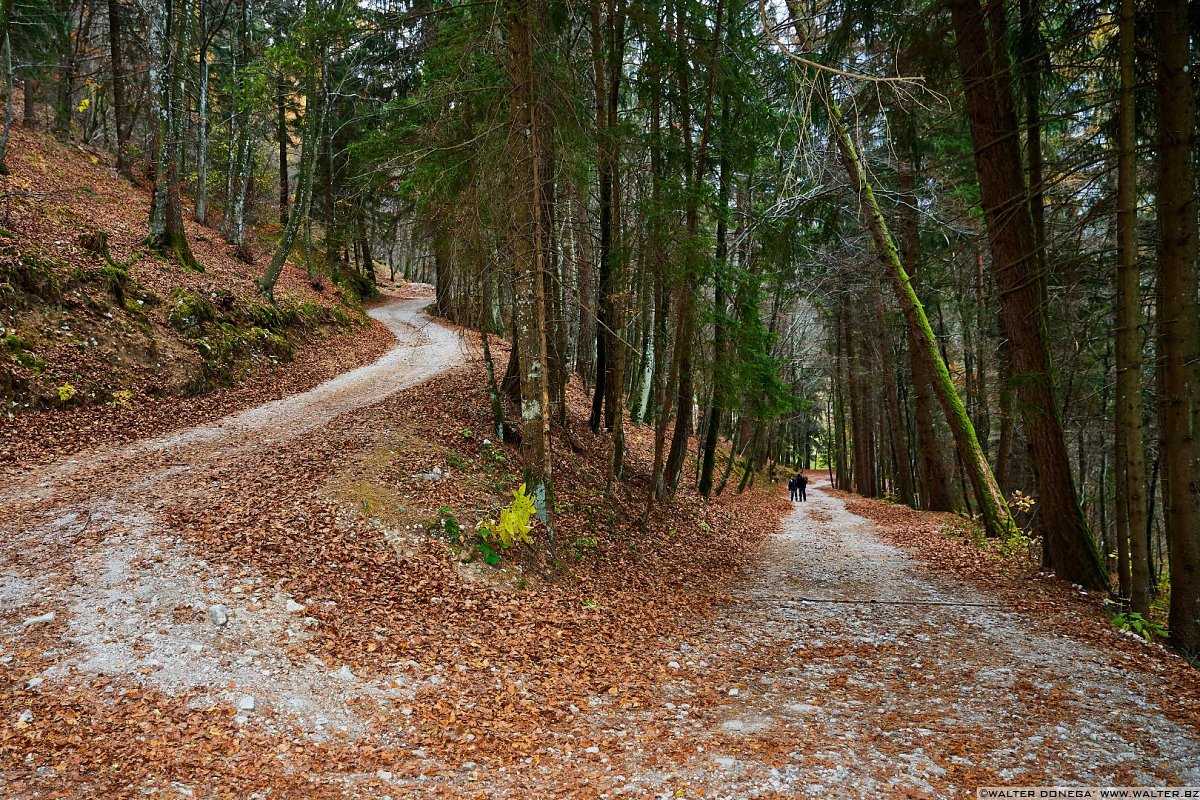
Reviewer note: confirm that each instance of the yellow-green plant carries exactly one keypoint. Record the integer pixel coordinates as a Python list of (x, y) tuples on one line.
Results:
[(122, 398), (66, 392), (511, 529), (514, 524), (1022, 539)]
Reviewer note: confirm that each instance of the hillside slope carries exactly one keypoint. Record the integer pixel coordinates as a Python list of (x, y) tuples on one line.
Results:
[(79, 325)]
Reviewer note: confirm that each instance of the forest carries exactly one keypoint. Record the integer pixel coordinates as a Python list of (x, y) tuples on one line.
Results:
[(938, 253), (796, 228)]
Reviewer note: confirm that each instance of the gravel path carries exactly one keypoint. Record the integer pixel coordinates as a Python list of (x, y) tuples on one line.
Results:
[(856, 670), (840, 665), (423, 348), (139, 602)]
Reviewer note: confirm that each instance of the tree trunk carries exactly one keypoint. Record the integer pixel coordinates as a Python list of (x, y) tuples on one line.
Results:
[(994, 510), (1129, 458), (1178, 334), (64, 78), (608, 82), (529, 296), (282, 135), (29, 107), (6, 46), (167, 37), (485, 287), (1069, 545), (717, 407), (931, 471), (235, 233), (116, 53), (585, 286), (314, 112), (202, 121), (695, 161), (895, 421), (860, 456)]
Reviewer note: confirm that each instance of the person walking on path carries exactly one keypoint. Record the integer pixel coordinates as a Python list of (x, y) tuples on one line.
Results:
[(801, 492), (792, 489)]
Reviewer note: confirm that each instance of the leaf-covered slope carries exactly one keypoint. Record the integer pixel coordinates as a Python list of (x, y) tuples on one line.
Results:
[(90, 315)]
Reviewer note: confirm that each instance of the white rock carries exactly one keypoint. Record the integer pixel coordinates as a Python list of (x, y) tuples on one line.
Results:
[(34, 683), (384, 775), (673, 664), (38, 620), (217, 615), (26, 717), (293, 607), (733, 692), (247, 703), (467, 766), (345, 674), (592, 749)]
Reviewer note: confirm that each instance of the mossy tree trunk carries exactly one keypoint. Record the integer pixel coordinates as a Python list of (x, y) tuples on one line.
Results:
[(994, 510), (168, 41)]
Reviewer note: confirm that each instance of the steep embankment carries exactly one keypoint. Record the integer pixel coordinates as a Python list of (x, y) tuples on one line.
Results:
[(95, 324)]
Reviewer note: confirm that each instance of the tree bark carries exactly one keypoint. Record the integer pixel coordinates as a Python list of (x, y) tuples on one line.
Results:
[(1178, 321), (167, 39), (997, 520), (202, 119), (717, 407), (116, 52), (529, 296), (1129, 457), (282, 135), (696, 162), (6, 47), (314, 113), (64, 70), (895, 421), (1069, 545), (585, 285), (235, 233)]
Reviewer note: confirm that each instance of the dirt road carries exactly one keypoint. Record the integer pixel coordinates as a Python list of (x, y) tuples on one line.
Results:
[(121, 600), (841, 664), (854, 669)]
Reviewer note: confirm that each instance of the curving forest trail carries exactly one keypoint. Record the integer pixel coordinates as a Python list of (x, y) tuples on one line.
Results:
[(840, 663)]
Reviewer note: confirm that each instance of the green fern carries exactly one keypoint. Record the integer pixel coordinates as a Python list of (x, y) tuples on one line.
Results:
[(1148, 629)]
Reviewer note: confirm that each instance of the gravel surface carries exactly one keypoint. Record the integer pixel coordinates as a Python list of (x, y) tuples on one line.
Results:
[(839, 664), (849, 667), (138, 604)]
